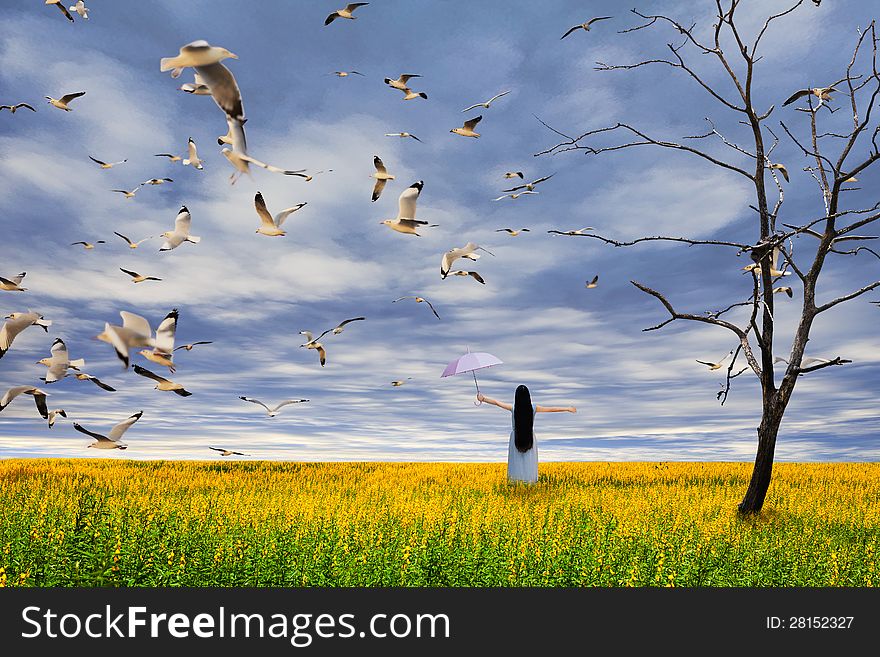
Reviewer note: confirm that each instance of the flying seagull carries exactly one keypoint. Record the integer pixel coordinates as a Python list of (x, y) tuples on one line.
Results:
[(409, 94), (406, 222), (514, 174), (476, 276), (111, 440), (61, 103), (180, 234), (81, 9), (272, 412), (345, 12), (15, 324), (38, 395), (189, 347), (584, 26), (514, 196), (82, 376), (61, 8), (784, 289), (54, 414), (157, 181), (196, 54), (774, 270), (132, 245), (192, 157), (397, 384), (163, 349), (171, 156), (106, 165), (127, 194), (88, 246), (314, 344), (13, 108), (487, 103), (134, 332), (512, 232), (822, 93), (345, 74), (138, 278), (579, 231), (197, 87), (466, 251), (382, 176), (402, 135), (227, 452), (13, 284), (59, 362), (781, 168), (269, 225), (161, 382), (593, 283), (400, 83), (716, 366), (467, 130), (528, 186), (420, 300), (339, 327)]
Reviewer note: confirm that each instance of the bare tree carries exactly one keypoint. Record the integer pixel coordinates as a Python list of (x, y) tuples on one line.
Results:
[(835, 158)]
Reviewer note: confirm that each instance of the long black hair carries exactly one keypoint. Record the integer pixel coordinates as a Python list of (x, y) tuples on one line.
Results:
[(523, 419)]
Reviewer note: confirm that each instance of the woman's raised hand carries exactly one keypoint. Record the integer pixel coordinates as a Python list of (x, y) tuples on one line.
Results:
[(481, 397)]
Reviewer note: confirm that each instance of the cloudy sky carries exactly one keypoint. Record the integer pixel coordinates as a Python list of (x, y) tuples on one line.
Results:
[(639, 395)]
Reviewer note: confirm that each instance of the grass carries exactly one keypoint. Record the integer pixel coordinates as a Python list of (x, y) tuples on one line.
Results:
[(166, 523)]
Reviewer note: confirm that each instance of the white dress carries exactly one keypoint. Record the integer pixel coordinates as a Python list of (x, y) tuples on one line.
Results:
[(522, 466)]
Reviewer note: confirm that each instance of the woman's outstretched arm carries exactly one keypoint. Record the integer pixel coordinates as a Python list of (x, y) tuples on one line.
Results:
[(483, 398), (555, 409)]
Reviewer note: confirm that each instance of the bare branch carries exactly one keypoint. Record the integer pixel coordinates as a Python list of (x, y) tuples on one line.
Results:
[(822, 366), (573, 144), (740, 333), (714, 131), (725, 388), (661, 238), (847, 297)]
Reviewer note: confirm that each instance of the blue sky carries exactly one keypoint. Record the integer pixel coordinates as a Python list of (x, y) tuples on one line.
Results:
[(639, 395)]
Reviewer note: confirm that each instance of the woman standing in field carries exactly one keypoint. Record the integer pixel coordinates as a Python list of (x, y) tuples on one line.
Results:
[(522, 452)]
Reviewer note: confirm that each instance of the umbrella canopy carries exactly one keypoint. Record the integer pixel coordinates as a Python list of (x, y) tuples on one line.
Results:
[(471, 362)]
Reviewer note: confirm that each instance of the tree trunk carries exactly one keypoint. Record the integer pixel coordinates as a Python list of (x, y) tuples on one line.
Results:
[(763, 470)]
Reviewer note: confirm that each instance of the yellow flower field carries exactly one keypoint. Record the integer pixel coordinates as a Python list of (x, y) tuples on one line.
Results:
[(171, 523)]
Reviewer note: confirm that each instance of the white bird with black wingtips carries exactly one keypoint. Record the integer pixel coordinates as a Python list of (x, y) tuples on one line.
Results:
[(192, 157), (38, 395), (466, 251), (381, 175), (269, 225), (486, 103), (345, 12), (162, 383), (111, 440), (180, 234), (314, 344), (467, 130), (273, 411), (59, 362), (13, 284), (163, 351), (406, 222), (63, 102), (15, 324)]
